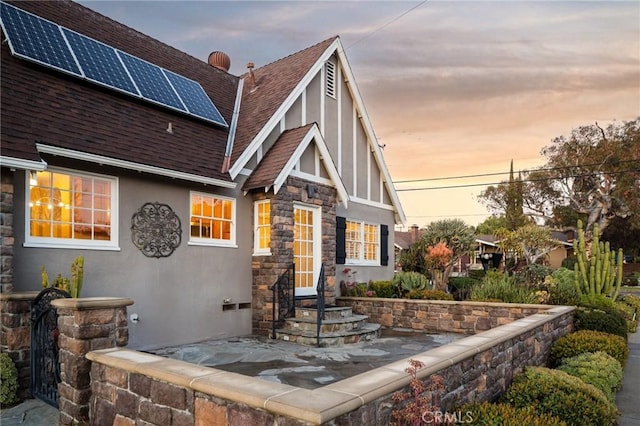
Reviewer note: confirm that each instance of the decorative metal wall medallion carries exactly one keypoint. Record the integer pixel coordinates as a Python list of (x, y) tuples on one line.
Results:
[(156, 230)]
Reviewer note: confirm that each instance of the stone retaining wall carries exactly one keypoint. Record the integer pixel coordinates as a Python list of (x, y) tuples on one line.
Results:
[(129, 385), (439, 316)]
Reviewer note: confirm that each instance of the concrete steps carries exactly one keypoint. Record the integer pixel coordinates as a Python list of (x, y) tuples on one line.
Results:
[(340, 326)]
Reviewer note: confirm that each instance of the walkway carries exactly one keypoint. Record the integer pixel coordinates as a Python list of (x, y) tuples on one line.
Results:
[(31, 412), (628, 399)]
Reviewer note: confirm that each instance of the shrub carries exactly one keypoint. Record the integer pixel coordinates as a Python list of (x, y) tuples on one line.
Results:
[(597, 301), (8, 380), (429, 295), (584, 341), (462, 282), (629, 313), (633, 301), (562, 288), (407, 281), (488, 414), (569, 262), (476, 274), (598, 369), (496, 286), (607, 321), (533, 275), (353, 289), (383, 288), (559, 394)]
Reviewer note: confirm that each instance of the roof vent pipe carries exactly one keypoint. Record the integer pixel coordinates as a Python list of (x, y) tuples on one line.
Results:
[(252, 76)]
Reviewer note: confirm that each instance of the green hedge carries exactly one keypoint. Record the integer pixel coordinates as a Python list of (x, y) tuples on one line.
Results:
[(584, 341), (488, 414), (609, 322), (8, 380), (598, 369)]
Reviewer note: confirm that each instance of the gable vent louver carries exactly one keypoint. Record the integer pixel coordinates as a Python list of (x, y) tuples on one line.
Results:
[(330, 70)]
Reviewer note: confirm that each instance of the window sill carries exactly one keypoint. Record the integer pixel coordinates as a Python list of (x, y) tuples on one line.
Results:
[(55, 245), (262, 253), (212, 244)]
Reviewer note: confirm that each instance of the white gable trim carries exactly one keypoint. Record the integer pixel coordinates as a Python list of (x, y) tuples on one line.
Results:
[(282, 110), (129, 165), (313, 135), (234, 125)]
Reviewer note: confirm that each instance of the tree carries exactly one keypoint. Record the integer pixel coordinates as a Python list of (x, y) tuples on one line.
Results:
[(458, 236), (514, 214), (531, 242), (592, 173), (491, 225)]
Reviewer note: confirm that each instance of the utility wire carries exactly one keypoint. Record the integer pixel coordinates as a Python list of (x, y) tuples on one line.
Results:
[(545, 169), (366, 36), (498, 183)]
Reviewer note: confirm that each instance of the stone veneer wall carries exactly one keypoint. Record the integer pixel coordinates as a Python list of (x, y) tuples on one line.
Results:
[(85, 324), (130, 386), (267, 269), (439, 316), (15, 334), (6, 229)]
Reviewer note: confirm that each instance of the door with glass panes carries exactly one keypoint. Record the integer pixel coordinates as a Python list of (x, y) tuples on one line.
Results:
[(306, 248)]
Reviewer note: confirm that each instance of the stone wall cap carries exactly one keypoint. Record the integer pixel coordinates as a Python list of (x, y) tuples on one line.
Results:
[(19, 295), (87, 303)]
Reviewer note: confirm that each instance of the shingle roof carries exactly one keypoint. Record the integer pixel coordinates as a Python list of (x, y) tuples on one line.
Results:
[(42, 105), (274, 83), (276, 158)]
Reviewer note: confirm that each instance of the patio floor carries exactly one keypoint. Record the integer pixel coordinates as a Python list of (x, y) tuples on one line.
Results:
[(305, 366)]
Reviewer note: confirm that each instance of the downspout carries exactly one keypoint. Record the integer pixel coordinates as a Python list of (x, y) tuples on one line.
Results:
[(226, 164)]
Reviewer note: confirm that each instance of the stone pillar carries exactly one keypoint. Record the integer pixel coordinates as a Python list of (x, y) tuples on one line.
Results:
[(15, 334), (6, 230), (85, 324)]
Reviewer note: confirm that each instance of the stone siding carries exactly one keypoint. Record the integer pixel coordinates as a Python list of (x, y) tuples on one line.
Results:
[(6, 229), (439, 316), (15, 334), (267, 269)]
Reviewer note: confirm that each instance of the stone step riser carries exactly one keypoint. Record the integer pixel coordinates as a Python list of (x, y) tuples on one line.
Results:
[(329, 341), (333, 314), (292, 324)]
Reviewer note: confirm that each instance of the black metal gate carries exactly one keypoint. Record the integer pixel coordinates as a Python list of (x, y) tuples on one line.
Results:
[(45, 368)]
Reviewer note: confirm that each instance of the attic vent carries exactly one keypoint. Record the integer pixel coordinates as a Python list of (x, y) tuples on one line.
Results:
[(330, 74)]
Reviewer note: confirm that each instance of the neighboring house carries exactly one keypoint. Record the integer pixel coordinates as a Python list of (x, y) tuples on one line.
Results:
[(403, 242), (185, 188)]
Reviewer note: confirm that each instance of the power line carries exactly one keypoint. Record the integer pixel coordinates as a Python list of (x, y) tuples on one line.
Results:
[(544, 169), (498, 183), (366, 36)]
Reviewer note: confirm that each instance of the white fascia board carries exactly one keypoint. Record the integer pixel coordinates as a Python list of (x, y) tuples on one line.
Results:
[(129, 165), (334, 176), (19, 163), (371, 136), (234, 119), (282, 110)]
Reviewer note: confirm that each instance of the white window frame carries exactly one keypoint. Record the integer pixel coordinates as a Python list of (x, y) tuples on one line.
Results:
[(257, 250), (71, 243), (330, 79), (200, 241), (361, 259)]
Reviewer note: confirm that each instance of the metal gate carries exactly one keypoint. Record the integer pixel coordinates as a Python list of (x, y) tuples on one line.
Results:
[(45, 368)]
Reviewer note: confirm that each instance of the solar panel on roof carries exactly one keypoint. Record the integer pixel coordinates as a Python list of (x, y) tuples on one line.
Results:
[(36, 39), (100, 62), (195, 98), (151, 81), (47, 43)]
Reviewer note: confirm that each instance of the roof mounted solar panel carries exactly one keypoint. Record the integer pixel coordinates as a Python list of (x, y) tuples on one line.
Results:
[(35, 39), (195, 98), (151, 82), (100, 62), (42, 41)]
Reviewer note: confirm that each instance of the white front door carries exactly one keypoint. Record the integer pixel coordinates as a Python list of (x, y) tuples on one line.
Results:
[(307, 240)]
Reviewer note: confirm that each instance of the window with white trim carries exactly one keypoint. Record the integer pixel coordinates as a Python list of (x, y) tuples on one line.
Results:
[(262, 227), (362, 243), (212, 220), (71, 209), (330, 79)]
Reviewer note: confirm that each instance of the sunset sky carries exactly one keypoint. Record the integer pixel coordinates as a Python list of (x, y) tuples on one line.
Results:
[(452, 87)]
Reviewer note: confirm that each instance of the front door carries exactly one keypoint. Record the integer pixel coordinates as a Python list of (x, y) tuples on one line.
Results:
[(306, 248)]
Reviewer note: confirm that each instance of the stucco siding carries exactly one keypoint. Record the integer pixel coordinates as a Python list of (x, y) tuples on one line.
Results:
[(313, 100), (293, 117), (177, 298), (362, 152), (308, 160)]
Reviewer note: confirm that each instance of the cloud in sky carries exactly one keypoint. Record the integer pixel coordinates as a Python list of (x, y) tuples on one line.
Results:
[(452, 87)]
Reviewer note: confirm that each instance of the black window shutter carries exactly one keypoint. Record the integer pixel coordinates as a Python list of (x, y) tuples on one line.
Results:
[(341, 235), (384, 245)]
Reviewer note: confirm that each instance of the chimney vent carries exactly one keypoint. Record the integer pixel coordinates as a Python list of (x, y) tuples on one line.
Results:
[(220, 60), (252, 76)]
